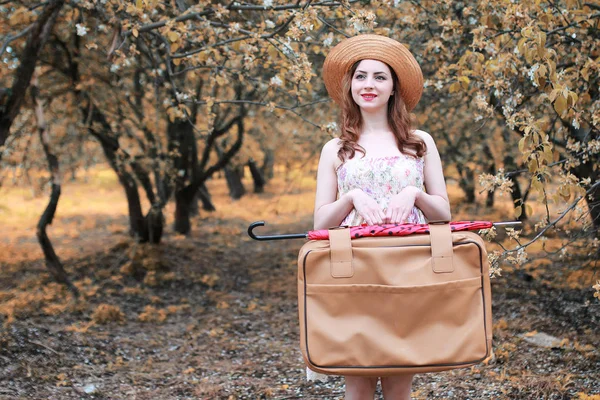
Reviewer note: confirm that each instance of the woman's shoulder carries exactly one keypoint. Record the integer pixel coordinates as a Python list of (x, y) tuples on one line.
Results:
[(426, 137), (330, 152), (332, 146)]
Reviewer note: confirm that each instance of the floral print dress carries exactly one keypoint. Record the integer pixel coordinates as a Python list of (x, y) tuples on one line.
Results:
[(380, 178)]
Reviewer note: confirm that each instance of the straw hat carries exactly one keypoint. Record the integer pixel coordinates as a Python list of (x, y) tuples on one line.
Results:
[(374, 47)]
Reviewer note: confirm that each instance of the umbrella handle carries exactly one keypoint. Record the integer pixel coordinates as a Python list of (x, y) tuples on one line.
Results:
[(272, 237)]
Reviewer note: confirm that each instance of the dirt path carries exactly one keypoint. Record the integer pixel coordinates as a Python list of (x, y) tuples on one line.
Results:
[(223, 325)]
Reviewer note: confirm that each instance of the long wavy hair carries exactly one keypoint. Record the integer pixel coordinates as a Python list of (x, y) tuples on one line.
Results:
[(399, 120)]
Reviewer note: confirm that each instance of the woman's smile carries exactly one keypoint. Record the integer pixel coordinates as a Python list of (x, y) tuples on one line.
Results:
[(368, 96)]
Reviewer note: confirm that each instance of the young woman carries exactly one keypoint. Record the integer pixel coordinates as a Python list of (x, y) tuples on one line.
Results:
[(380, 170)]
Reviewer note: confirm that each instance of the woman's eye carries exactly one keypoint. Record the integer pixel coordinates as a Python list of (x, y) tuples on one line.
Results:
[(382, 78), (359, 76)]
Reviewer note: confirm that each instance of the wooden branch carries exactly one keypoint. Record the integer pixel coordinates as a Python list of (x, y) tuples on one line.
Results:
[(38, 35), (114, 41), (258, 103), (14, 37), (593, 6), (233, 7), (562, 28), (557, 219), (53, 263), (228, 155)]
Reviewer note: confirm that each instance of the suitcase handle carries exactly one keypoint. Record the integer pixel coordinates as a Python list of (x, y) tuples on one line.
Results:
[(442, 253)]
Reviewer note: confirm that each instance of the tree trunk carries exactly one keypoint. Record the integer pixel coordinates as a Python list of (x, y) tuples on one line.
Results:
[(268, 165), (257, 177), (516, 193), (40, 31), (110, 146), (194, 207), (489, 202), (590, 170), (233, 175), (467, 183), (134, 206), (154, 224), (52, 261), (182, 140), (593, 202), (182, 212), (201, 173), (204, 195)]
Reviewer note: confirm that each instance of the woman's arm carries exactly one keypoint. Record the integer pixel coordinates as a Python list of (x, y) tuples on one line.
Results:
[(434, 204), (329, 212)]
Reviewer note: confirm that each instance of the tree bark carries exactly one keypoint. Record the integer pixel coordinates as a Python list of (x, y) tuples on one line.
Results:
[(268, 165), (516, 193), (257, 177), (154, 224), (194, 206), (491, 169), (205, 198), (182, 140), (467, 182), (182, 212), (10, 103), (233, 176), (53, 263)]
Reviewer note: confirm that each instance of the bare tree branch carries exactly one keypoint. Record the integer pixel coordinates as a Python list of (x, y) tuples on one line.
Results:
[(14, 37)]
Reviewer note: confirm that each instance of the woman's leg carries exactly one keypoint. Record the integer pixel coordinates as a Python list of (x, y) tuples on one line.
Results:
[(360, 388), (397, 387)]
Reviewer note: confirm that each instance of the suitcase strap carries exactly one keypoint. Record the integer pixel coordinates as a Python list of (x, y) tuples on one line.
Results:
[(340, 245), (441, 248)]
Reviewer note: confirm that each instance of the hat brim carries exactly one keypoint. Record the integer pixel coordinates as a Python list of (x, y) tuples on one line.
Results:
[(374, 47)]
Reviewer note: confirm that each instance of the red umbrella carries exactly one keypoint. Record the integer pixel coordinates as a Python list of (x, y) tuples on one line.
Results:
[(379, 230)]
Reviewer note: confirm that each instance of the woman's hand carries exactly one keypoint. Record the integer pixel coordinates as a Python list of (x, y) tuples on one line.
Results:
[(401, 205), (367, 208)]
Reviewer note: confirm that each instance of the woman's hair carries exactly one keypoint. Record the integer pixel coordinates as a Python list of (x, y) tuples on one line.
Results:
[(398, 120)]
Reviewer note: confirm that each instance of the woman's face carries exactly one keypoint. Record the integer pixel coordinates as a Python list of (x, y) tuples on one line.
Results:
[(372, 84)]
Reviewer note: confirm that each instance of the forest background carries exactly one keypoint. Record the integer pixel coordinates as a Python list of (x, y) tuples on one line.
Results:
[(138, 139)]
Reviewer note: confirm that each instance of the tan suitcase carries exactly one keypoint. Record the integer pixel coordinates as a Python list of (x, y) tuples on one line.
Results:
[(378, 306)]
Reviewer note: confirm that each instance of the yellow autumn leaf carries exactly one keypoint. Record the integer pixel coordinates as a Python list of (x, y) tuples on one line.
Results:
[(522, 144), (529, 210), (532, 165), (273, 52), (173, 36), (560, 104), (572, 99), (455, 87)]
